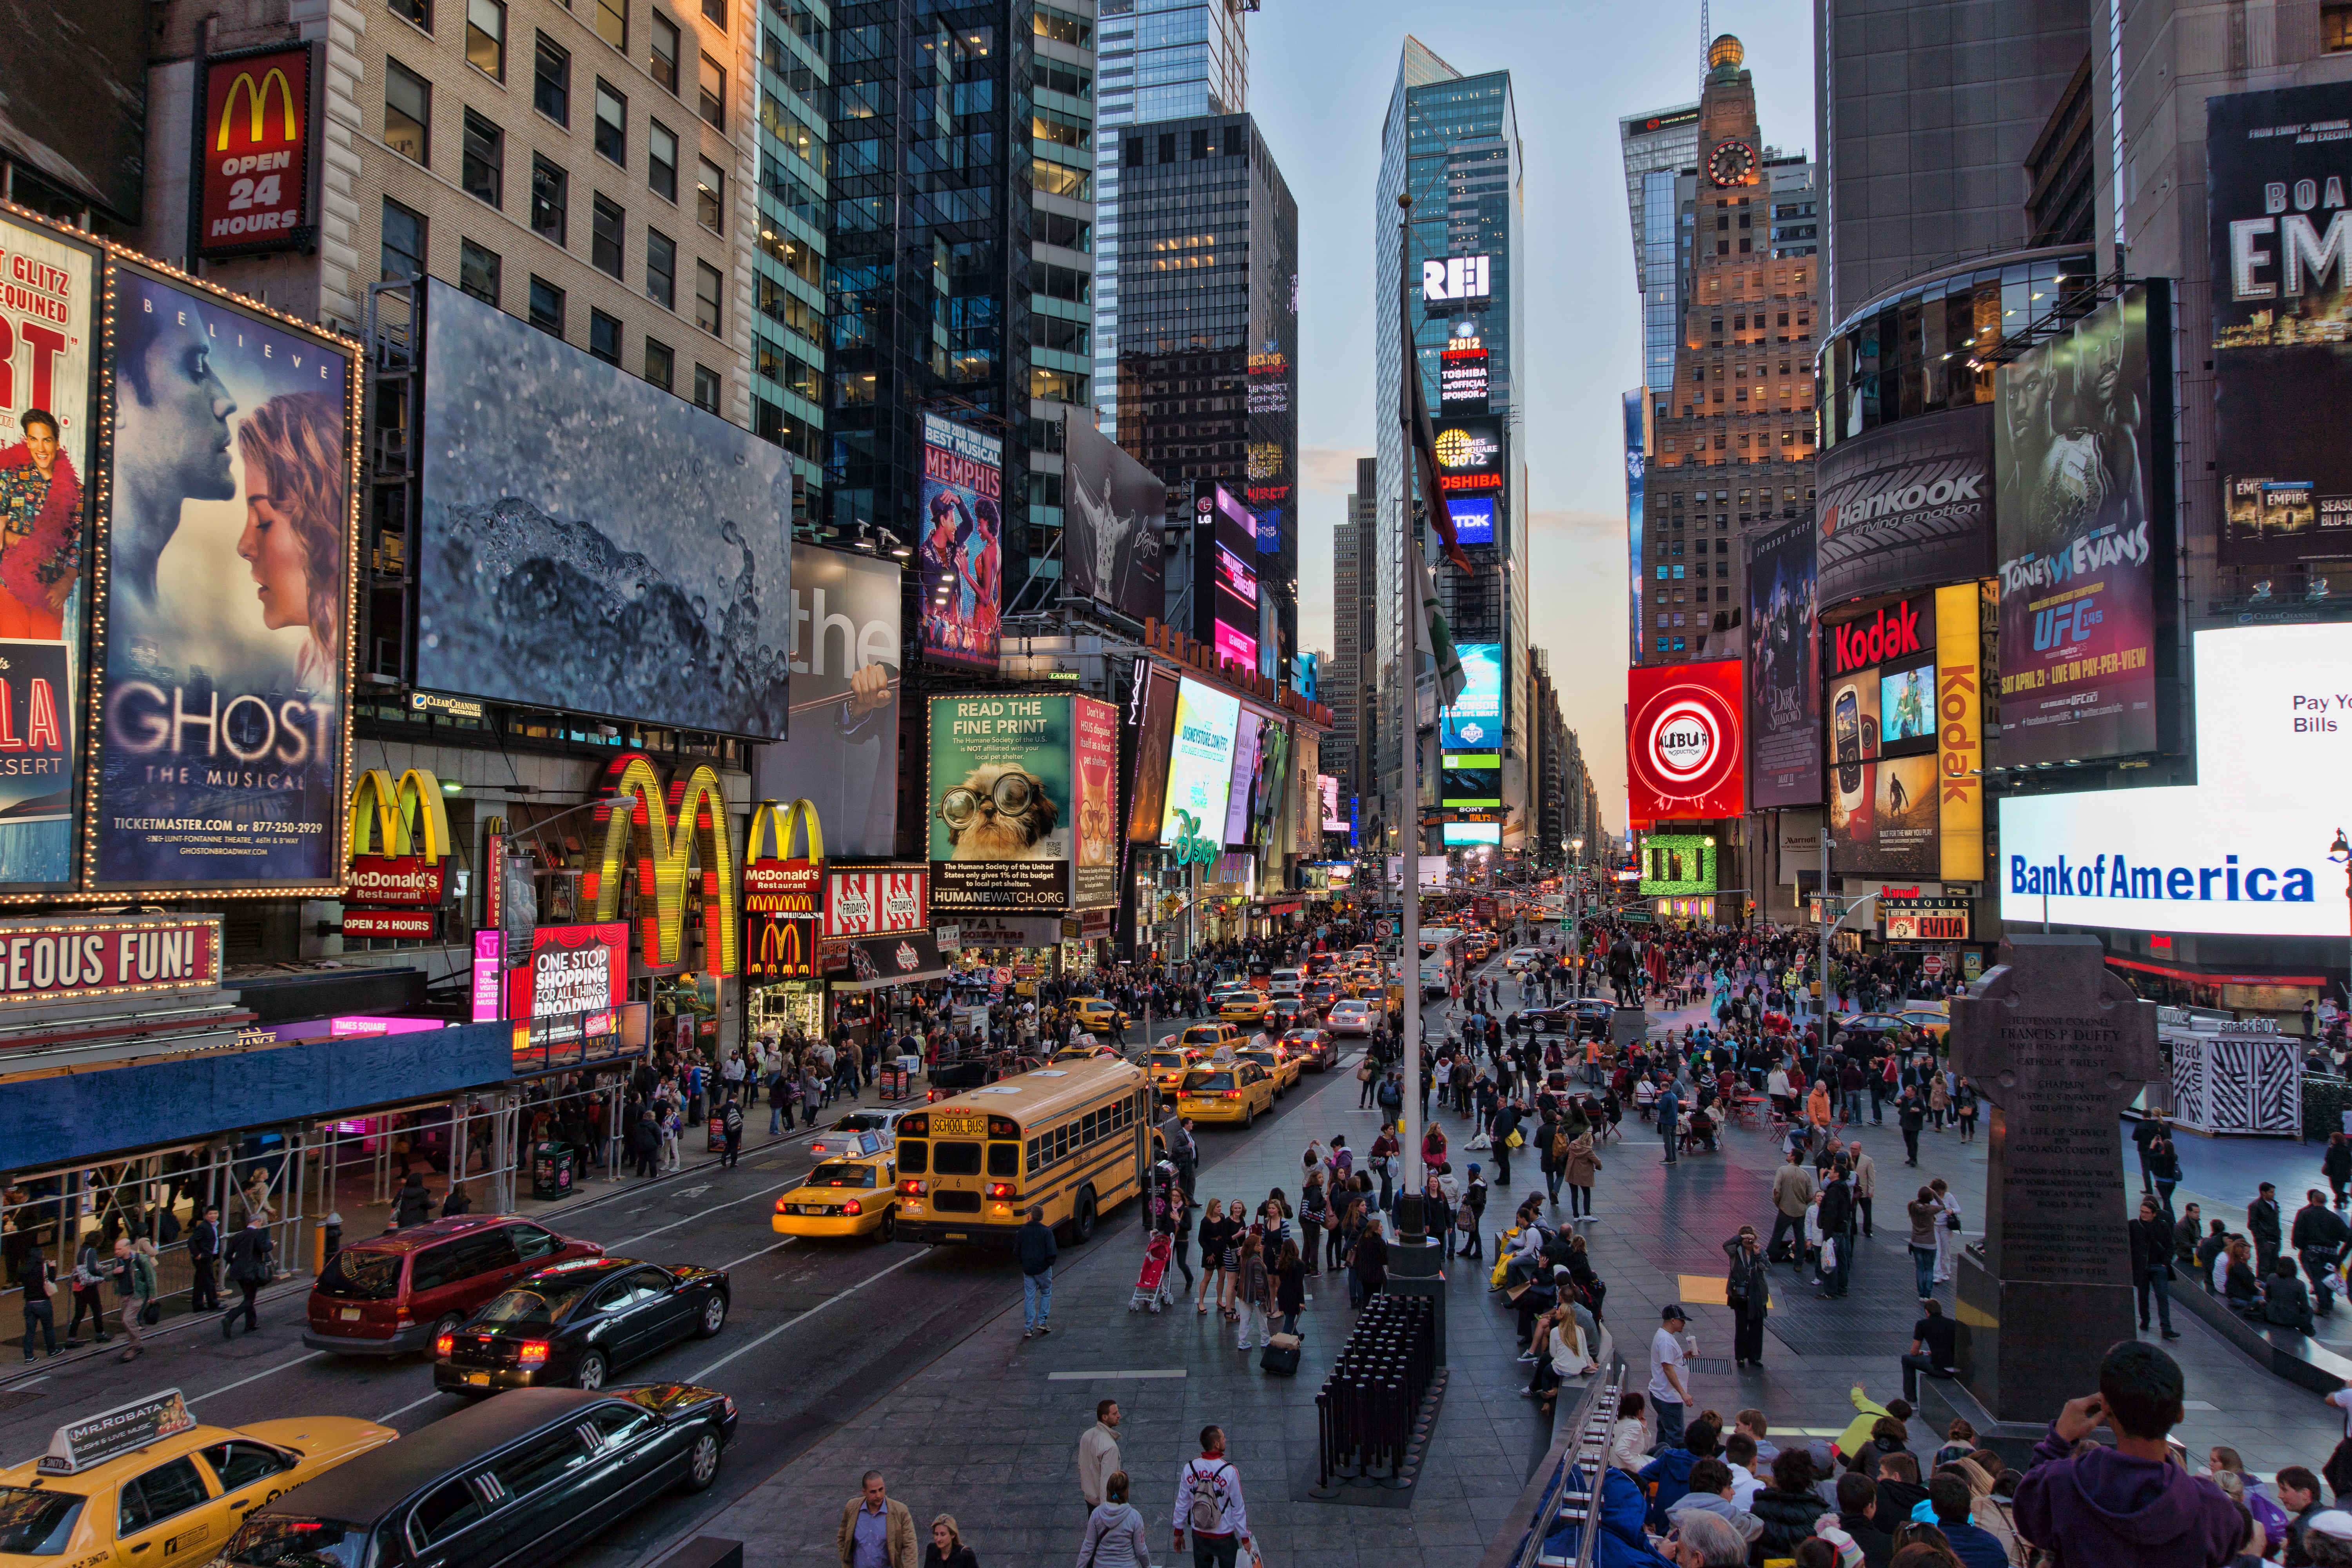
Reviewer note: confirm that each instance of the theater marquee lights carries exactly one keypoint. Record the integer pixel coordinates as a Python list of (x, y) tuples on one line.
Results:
[(668, 833)]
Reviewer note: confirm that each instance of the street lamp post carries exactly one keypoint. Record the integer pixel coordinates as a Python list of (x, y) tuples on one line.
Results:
[(2341, 853)]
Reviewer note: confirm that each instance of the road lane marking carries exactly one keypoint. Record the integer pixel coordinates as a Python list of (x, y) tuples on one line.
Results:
[(696, 1376), (1088, 1376), (257, 1378), (698, 1214), (385, 1419), (761, 1253)]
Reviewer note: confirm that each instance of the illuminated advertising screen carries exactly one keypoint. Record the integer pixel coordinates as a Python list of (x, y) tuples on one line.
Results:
[(1229, 602), (1469, 456), (2242, 851), (1925, 920), (962, 543), (1906, 709), (843, 752), (228, 568), (2084, 529), (1678, 863), (1683, 747), (1446, 279), (48, 320), (1906, 506), (1152, 715), (1329, 788), (1472, 778), (1021, 801), (555, 571), (1250, 737), (255, 157), (1636, 413), (1115, 511), (1199, 761), (1461, 385), (1473, 520), (1784, 678), (1474, 833), (2275, 167), (1273, 783), (1474, 722)]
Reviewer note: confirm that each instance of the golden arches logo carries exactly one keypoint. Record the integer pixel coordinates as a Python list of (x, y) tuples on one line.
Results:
[(784, 945), (256, 94), (670, 831), (772, 827), (382, 813)]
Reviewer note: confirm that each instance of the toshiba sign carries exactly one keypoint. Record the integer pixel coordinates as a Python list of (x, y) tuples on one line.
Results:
[(1683, 742)]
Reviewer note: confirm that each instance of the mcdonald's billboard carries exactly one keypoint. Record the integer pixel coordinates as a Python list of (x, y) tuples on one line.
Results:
[(254, 160), (400, 843), (780, 947), (678, 842), (774, 883)]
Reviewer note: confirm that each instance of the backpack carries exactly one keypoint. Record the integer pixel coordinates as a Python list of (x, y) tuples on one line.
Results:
[(1205, 1514), (1560, 1146)]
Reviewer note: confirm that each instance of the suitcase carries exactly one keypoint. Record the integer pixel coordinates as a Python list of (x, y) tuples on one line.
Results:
[(1280, 1357)]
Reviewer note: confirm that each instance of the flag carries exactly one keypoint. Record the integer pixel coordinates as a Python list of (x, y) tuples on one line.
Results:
[(1433, 496), (1434, 641)]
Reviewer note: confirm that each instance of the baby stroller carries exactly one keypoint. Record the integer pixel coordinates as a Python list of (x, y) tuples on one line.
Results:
[(1151, 1286)]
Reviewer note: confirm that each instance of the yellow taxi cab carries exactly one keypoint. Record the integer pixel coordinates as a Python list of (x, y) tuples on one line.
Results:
[(854, 1194), (1098, 1015), (1933, 1019), (144, 1484), (1229, 1091), (1086, 1048), (1243, 1006), (1207, 1038), (1167, 1063), (1279, 1062)]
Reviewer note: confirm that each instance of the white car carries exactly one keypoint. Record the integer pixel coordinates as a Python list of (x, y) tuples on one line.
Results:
[(841, 1140), (1522, 959), (1352, 1016)]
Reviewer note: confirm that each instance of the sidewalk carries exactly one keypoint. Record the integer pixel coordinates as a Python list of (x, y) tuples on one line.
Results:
[(989, 1432)]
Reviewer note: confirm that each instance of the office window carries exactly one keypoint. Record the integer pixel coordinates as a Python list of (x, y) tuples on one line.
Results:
[(551, 80), (612, 124), (613, 22), (663, 62), (550, 200), (714, 92), (706, 388), (407, 111), (661, 365), (661, 270), (546, 305), (707, 282), (478, 272), (716, 11), (1135, 145), (2335, 29), (484, 174), (418, 11), (661, 161), (486, 36), (710, 198), (403, 242), (604, 337), (605, 224)]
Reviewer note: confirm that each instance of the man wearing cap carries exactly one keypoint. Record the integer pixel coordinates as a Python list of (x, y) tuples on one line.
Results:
[(1669, 1393)]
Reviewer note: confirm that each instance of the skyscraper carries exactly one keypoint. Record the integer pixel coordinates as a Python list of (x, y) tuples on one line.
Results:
[(1209, 342), (1157, 59), (1353, 629), (1659, 147), (1452, 142), (1732, 426)]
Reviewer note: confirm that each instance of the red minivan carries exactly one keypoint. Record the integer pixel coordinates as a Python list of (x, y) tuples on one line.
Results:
[(392, 1294)]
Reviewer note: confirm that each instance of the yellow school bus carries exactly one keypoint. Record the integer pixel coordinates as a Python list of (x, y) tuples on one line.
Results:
[(1073, 1137)]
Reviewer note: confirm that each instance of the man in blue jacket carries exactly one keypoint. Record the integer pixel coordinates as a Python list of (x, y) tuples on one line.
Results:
[(1034, 1245), (1667, 1477)]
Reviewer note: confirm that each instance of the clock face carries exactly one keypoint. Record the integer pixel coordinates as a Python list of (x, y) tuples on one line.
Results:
[(1732, 164)]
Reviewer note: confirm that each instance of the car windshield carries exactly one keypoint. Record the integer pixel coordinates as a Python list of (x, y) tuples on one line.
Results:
[(360, 1274), (1199, 1081), (841, 1173), (1263, 1059), (37, 1523), (274, 1542), (541, 1304)]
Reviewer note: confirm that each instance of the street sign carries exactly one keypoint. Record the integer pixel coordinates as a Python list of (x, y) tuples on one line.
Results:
[(1383, 930), (1933, 964)]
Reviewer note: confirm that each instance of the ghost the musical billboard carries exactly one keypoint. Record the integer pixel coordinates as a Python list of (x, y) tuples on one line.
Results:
[(221, 748)]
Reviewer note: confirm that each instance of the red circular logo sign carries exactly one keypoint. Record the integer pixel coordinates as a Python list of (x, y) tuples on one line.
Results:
[(1685, 749)]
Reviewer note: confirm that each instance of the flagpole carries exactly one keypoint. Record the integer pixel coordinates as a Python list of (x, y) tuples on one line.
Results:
[(1409, 1222)]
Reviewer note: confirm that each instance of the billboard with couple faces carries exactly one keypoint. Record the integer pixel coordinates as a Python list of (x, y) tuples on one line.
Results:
[(227, 557)]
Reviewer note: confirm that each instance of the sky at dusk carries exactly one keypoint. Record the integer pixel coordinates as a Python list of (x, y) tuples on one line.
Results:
[(1320, 73)]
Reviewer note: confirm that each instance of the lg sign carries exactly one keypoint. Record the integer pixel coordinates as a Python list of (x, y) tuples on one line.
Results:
[(1455, 278), (1683, 743)]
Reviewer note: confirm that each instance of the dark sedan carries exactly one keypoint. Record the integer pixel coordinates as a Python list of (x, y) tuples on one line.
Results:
[(1317, 1048), (571, 1325), (1583, 1019)]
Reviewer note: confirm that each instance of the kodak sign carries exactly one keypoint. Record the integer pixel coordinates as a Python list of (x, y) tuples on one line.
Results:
[(1892, 633), (1959, 730), (254, 152)]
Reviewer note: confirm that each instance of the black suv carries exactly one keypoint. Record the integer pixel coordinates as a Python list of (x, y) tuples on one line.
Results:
[(519, 1479)]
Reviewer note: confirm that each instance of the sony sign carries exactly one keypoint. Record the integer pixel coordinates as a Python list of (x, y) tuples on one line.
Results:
[(1455, 278), (2240, 852)]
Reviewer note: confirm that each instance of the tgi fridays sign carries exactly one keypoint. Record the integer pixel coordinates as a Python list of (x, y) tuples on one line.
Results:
[(77, 960), (875, 901)]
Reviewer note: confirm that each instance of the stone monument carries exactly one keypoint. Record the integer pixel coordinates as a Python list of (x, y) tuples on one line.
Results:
[(2059, 1045)]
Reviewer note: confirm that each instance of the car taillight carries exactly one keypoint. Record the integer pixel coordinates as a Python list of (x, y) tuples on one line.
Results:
[(852, 1206), (780, 1205), (445, 1344), (911, 1185), (1232, 1094), (1000, 1189), (533, 1352)]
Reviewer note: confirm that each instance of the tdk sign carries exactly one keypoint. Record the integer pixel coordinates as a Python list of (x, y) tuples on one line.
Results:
[(1455, 278), (2242, 851)]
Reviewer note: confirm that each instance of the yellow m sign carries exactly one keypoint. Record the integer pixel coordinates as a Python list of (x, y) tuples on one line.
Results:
[(256, 97), (775, 825), (668, 836), (383, 814)]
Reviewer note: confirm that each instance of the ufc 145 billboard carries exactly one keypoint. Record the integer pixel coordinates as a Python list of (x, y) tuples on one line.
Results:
[(1683, 742)]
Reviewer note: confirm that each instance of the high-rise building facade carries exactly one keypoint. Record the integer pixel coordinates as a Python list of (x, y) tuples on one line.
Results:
[(1659, 148), (1209, 333), (1345, 685), (1452, 143), (1732, 432), (1156, 59)]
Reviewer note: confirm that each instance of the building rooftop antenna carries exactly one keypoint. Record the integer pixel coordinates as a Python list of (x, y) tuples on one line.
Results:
[(1705, 33)]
